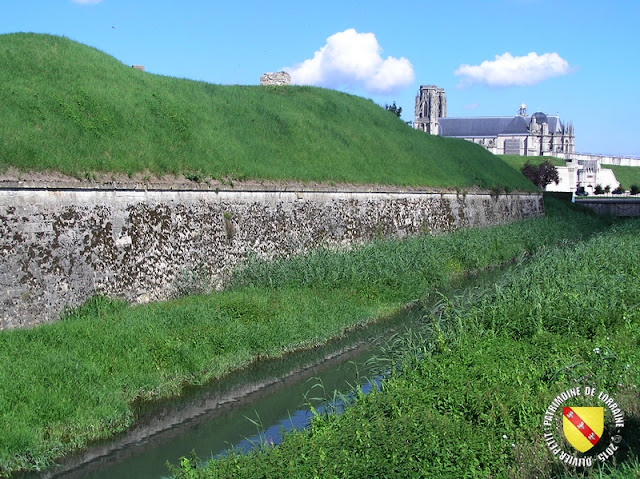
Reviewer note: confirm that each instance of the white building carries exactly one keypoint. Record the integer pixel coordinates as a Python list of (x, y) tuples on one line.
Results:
[(535, 135), (585, 174)]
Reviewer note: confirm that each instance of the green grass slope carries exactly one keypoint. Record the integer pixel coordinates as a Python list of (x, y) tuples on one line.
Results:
[(70, 108), (626, 175), (517, 161)]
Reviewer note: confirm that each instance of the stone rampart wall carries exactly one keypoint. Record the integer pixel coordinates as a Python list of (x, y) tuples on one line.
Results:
[(60, 247), (607, 159), (629, 207)]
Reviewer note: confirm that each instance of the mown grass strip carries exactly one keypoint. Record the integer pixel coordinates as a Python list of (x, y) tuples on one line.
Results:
[(471, 387), (66, 384)]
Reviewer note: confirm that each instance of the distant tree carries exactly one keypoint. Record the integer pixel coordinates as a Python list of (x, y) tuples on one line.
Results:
[(634, 190), (618, 191), (599, 190), (396, 110), (541, 175)]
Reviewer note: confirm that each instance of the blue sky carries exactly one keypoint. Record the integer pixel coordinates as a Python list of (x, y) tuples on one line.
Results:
[(579, 59)]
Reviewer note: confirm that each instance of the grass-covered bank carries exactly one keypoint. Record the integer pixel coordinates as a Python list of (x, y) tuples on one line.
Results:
[(490, 365), (517, 161), (626, 175), (70, 108), (67, 384)]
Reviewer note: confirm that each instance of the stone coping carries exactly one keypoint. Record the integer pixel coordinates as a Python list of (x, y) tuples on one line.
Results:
[(215, 187)]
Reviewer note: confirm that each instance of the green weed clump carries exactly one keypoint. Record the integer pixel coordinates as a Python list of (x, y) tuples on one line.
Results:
[(467, 393), (73, 109)]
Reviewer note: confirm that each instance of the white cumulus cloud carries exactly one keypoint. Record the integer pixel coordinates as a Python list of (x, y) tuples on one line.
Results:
[(352, 59), (507, 70)]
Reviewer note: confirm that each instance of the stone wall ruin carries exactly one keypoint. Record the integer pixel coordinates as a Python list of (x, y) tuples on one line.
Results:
[(278, 78)]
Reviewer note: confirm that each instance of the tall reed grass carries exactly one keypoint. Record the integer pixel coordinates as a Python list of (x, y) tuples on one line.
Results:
[(467, 392)]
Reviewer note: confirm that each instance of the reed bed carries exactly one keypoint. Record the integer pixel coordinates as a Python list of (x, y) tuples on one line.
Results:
[(466, 392)]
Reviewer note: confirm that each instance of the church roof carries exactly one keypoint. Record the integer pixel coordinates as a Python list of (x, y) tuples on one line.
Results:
[(483, 126), (492, 126)]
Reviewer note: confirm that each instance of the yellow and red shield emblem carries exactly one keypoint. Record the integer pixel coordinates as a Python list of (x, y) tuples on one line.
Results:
[(583, 426)]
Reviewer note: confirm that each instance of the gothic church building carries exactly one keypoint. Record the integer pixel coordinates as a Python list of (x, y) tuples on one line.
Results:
[(524, 135)]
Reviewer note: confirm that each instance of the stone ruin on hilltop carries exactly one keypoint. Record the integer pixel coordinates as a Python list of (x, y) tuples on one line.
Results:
[(277, 78)]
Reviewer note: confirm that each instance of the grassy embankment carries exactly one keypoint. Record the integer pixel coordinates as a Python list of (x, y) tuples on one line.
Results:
[(470, 388), (517, 161), (69, 383), (626, 175), (70, 108)]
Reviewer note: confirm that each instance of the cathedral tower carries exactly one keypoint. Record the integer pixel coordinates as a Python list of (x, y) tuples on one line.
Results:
[(431, 104)]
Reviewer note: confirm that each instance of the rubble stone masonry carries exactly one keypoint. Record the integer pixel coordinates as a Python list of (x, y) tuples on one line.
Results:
[(59, 247)]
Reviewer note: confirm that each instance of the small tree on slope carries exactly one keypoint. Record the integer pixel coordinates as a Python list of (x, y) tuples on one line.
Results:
[(541, 175), (396, 110)]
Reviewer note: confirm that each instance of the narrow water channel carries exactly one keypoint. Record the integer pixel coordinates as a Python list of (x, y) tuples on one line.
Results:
[(255, 403)]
